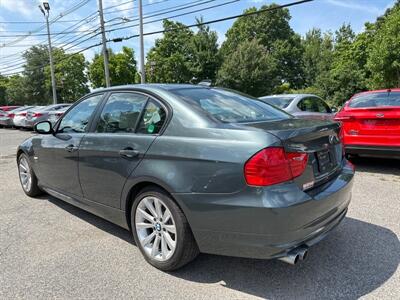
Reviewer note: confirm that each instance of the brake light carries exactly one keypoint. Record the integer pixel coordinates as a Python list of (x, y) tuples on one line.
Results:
[(342, 117), (11, 116), (36, 115), (274, 165)]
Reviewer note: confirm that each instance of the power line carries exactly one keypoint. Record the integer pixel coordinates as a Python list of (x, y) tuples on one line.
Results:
[(67, 12), (185, 26)]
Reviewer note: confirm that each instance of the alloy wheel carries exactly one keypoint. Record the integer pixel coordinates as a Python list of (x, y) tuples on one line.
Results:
[(25, 174), (155, 228)]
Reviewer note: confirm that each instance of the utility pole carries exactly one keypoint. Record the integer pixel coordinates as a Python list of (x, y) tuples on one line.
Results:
[(44, 9), (104, 42), (142, 70)]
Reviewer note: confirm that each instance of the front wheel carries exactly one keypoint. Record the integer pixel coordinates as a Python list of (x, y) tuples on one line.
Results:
[(161, 230), (27, 177)]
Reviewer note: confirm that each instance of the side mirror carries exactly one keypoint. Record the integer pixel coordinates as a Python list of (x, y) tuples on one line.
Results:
[(334, 110), (44, 127)]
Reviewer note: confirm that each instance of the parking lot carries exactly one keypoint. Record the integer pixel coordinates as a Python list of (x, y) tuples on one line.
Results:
[(50, 249)]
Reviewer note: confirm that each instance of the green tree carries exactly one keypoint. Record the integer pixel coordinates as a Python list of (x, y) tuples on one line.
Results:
[(16, 90), (249, 69), (3, 89), (205, 59), (122, 67), (384, 53), (169, 60), (71, 79), (35, 84), (273, 32)]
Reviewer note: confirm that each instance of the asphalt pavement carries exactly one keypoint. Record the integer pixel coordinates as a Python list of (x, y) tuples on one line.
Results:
[(50, 249)]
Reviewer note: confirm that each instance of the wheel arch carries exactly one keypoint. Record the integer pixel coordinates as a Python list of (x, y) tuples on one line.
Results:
[(136, 188)]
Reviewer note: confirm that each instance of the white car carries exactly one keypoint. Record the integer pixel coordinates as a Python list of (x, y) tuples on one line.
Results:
[(20, 117)]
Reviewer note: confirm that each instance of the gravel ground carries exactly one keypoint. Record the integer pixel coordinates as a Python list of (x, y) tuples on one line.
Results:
[(50, 249)]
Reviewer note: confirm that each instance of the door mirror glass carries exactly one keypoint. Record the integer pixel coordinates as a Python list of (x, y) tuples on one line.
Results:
[(44, 127)]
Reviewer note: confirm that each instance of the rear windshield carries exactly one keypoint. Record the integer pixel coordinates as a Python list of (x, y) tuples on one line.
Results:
[(281, 102), (376, 100), (230, 107)]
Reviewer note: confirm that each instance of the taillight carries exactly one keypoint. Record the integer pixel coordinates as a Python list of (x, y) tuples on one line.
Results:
[(36, 115), (342, 117), (11, 116), (273, 165)]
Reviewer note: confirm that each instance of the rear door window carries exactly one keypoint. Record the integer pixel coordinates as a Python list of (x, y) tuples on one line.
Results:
[(121, 113), (153, 118)]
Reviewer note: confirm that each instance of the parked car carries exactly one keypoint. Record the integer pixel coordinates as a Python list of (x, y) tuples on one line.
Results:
[(31, 112), (53, 116), (302, 105), (190, 168), (371, 123), (9, 107), (38, 115), (20, 116), (6, 118)]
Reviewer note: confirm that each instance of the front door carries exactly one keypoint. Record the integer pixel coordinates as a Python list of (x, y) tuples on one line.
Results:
[(126, 127), (58, 153)]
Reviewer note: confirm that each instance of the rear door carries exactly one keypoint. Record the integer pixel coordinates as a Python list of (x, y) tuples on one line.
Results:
[(126, 127)]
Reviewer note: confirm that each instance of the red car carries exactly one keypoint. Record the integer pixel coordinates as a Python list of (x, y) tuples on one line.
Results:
[(9, 107), (371, 123)]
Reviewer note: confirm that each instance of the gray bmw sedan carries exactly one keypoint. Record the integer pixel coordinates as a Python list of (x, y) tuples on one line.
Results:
[(191, 169)]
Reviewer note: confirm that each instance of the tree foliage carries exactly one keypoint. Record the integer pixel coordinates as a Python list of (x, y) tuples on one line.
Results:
[(249, 69), (122, 68), (261, 55), (273, 32)]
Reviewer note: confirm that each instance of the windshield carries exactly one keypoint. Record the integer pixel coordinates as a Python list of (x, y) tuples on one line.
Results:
[(376, 100), (230, 107), (281, 102)]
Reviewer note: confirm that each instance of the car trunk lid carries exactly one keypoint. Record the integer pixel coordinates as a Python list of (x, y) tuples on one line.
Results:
[(318, 138)]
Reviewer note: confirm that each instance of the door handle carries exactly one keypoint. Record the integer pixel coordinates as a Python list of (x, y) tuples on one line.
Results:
[(128, 153), (71, 148)]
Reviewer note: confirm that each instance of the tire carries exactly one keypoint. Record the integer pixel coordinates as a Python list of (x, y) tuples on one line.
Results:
[(29, 182), (185, 246)]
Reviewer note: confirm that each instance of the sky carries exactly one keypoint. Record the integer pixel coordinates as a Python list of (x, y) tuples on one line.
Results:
[(328, 15)]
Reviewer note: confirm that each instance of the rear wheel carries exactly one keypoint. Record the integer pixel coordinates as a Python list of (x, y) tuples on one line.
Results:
[(27, 177), (161, 230)]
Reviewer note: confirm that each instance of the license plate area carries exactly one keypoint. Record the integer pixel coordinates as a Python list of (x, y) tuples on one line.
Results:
[(326, 161)]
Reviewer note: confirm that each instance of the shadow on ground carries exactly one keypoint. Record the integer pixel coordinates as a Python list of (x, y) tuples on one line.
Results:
[(354, 260), (377, 165)]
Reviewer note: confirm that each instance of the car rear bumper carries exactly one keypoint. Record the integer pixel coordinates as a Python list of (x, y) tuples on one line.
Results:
[(267, 222), (6, 122), (372, 150)]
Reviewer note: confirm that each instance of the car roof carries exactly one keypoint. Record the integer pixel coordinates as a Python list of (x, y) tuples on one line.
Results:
[(289, 95), (159, 86)]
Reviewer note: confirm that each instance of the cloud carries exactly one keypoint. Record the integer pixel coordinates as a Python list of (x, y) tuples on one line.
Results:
[(17, 6), (356, 6)]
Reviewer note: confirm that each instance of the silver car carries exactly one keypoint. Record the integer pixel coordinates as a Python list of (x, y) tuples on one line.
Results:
[(19, 119), (7, 117), (301, 105), (55, 115), (39, 115)]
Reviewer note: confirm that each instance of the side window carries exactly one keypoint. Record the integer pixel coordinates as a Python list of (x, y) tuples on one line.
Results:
[(121, 112), (153, 118), (307, 104), (77, 119), (322, 106)]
